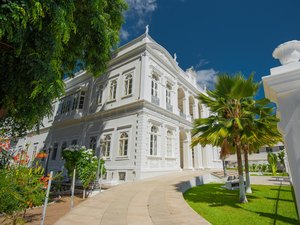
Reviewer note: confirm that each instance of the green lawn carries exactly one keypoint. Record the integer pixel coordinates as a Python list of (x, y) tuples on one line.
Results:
[(267, 205)]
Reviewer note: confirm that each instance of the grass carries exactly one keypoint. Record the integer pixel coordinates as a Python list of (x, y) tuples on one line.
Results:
[(266, 205)]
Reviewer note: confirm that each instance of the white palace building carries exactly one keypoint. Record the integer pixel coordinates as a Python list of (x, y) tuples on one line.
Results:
[(139, 113)]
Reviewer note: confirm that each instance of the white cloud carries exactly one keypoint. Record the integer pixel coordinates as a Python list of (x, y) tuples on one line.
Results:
[(124, 34), (141, 8), (206, 78), (137, 16), (202, 62)]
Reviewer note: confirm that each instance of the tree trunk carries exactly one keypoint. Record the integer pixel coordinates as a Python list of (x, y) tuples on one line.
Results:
[(83, 194), (224, 168), (248, 184), (243, 197)]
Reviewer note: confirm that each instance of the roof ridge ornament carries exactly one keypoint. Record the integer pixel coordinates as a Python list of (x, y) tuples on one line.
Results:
[(147, 29)]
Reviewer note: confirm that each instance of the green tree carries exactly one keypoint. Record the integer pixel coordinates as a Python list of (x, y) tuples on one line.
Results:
[(87, 168), (42, 42), (229, 116), (260, 130), (72, 155)]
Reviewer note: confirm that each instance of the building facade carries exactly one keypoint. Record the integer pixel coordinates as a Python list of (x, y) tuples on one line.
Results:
[(138, 115)]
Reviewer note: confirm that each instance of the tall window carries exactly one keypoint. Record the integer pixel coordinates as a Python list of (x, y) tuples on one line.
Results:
[(93, 143), (123, 148), (75, 101), (169, 143), (128, 85), (106, 145), (168, 94), (153, 140), (54, 152), (72, 102), (81, 100), (99, 94), (113, 90), (154, 86), (63, 147)]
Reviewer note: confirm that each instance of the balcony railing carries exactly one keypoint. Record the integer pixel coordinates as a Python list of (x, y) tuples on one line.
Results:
[(155, 100)]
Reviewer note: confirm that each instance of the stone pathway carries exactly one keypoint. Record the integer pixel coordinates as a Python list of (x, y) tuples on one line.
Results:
[(156, 201)]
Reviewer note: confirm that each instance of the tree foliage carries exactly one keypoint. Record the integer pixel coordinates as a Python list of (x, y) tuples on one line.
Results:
[(43, 41), (237, 120), (85, 163)]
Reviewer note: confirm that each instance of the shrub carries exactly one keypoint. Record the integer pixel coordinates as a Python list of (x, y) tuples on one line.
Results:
[(272, 159), (21, 188)]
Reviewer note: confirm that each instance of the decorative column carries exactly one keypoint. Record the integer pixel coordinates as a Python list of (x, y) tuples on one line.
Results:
[(283, 88), (145, 82), (187, 152), (195, 109), (198, 157)]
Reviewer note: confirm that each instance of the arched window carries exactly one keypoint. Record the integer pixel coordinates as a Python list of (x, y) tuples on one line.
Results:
[(106, 145), (153, 140), (113, 90), (123, 147), (154, 86), (128, 85), (169, 143)]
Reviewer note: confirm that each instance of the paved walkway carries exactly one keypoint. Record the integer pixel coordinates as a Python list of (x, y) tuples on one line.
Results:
[(156, 201)]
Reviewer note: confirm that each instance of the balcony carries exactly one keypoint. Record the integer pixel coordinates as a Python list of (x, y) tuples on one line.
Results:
[(155, 100)]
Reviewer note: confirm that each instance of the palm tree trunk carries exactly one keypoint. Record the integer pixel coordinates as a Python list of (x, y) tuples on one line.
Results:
[(224, 168), (243, 197), (248, 184)]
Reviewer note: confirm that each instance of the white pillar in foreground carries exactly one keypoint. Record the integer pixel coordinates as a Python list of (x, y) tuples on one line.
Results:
[(283, 88)]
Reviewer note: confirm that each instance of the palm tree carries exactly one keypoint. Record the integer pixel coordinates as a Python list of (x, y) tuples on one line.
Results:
[(225, 126), (260, 131)]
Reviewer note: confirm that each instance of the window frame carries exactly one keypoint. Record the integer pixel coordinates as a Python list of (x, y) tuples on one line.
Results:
[(105, 143), (153, 141), (170, 152), (113, 90), (168, 94), (128, 84), (94, 144), (122, 142), (99, 94), (154, 85)]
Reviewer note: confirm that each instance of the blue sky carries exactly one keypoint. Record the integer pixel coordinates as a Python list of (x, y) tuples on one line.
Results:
[(216, 35)]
